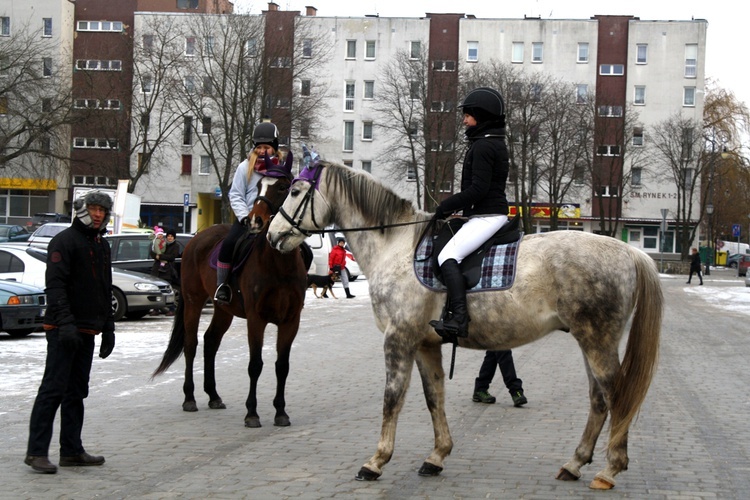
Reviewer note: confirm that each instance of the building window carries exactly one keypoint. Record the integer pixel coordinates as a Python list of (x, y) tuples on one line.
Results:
[(366, 131), (305, 89), (304, 127), (4, 26), (415, 49), (414, 87), (187, 131), (86, 104), (205, 167), (369, 89), (45, 143), (640, 95), (349, 96), (579, 174), (46, 105), (608, 151), (47, 67), (148, 43), (107, 26), (251, 47), (47, 27), (536, 92), (3, 105), (441, 106), (472, 51), (367, 166), (207, 86), (691, 60), (608, 191), (411, 173), (187, 4), (517, 53), (94, 143), (206, 125), (516, 91), (208, 46), (189, 84), (688, 98), (610, 111), (637, 136), (641, 53), (348, 136), (280, 62), (145, 120), (187, 164), (612, 70), (537, 52), (582, 91), (351, 49), (583, 52), (98, 65), (190, 46), (147, 84), (413, 128), (370, 49), (307, 48), (444, 65)]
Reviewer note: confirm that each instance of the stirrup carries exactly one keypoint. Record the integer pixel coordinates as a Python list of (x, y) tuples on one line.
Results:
[(223, 294)]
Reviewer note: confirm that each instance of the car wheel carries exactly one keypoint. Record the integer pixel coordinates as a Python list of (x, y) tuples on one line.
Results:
[(119, 305), (136, 314), (733, 265), (21, 332)]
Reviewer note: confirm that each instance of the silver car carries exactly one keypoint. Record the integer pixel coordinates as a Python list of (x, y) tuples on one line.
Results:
[(133, 294)]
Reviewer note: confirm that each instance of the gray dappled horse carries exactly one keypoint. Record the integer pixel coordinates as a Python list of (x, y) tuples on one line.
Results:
[(582, 283)]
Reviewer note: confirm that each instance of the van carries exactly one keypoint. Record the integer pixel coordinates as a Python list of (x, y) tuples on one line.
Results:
[(321, 245)]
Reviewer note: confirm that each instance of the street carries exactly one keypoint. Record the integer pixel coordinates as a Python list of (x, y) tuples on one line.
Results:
[(691, 440)]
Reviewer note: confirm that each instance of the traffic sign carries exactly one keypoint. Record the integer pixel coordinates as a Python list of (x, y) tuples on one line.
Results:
[(736, 230)]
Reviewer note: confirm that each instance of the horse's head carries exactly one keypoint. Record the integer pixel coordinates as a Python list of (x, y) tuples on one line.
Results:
[(272, 189), (304, 211)]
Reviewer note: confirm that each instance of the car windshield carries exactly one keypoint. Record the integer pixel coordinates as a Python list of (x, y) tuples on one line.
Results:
[(47, 230)]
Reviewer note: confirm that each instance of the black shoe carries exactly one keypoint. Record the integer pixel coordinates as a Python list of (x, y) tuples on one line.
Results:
[(348, 294), (483, 397), (82, 460), (40, 464), (518, 399), (223, 294)]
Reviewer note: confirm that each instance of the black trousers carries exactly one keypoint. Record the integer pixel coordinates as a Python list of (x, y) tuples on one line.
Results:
[(227, 247), (493, 359), (65, 385), (698, 272)]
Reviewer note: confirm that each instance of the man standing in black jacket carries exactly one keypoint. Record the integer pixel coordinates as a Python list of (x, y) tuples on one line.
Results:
[(79, 306)]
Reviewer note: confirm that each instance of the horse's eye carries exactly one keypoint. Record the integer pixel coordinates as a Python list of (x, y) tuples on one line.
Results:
[(295, 191)]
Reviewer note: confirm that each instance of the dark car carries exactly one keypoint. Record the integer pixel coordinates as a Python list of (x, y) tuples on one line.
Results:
[(130, 251), (9, 232), (743, 262), (22, 308), (40, 219), (733, 259)]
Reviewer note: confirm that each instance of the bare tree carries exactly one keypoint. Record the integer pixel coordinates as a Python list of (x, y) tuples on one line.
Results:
[(36, 107), (422, 126)]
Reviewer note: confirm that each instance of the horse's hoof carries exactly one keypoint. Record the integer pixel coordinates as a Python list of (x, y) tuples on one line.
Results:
[(566, 475), (189, 406), (429, 469), (217, 404), (366, 474), (253, 422), (601, 484), (282, 421)]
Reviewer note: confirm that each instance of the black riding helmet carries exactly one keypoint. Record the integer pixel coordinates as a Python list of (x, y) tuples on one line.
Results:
[(484, 104), (266, 133)]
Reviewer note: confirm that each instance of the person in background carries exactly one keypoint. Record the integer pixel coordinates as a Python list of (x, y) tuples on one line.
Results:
[(164, 267), (503, 359), (337, 264), (79, 307), (695, 266), (242, 196)]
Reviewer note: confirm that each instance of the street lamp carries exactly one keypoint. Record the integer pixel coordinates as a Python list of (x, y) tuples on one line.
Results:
[(709, 212)]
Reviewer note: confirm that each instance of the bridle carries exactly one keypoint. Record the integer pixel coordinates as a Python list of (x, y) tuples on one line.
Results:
[(278, 173), (310, 175)]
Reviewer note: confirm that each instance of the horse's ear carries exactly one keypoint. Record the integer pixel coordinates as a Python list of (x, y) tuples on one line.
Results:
[(289, 161)]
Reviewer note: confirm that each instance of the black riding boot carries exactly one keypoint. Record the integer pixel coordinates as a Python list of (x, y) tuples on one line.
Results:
[(457, 321)]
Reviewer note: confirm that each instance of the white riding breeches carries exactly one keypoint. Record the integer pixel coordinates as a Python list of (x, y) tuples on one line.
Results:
[(471, 236)]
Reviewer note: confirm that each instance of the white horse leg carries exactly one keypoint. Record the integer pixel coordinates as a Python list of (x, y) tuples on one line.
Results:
[(429, 362), (399, 361), (602, 366)]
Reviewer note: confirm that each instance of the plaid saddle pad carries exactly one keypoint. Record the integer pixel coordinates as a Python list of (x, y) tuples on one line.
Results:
[(498, 268)]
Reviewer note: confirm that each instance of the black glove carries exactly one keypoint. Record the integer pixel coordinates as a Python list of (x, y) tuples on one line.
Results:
[(69, 337), (108, 343), (243, 221), (439, 213)]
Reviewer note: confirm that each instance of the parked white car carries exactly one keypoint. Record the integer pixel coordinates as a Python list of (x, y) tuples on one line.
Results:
[(44, 233), (133, 294)]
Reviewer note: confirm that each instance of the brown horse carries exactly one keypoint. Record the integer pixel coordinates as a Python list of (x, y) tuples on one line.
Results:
[(270, 288)]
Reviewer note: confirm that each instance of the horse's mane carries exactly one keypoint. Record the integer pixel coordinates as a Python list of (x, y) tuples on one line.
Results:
[(379, 205)]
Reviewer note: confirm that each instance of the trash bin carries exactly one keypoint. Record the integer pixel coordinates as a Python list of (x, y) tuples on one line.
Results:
[(721, 258)]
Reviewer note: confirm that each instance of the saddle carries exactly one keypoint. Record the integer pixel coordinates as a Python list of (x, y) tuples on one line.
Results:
[(243, 249)]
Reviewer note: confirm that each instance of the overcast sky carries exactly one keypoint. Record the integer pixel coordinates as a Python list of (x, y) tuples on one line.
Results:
[(727, 20)]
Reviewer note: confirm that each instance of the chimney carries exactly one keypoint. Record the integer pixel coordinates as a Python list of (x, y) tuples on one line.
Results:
[(311, 11), (273, 6)]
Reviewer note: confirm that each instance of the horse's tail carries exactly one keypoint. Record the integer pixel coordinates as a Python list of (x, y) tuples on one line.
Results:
[(176, 340), (642, 351)]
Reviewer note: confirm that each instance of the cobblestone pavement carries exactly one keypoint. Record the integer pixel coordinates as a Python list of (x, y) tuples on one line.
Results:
[(691, 440)]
